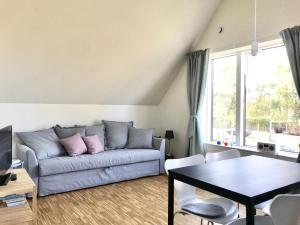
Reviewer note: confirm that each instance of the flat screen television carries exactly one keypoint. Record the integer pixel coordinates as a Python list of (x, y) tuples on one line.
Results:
[(5, 151)]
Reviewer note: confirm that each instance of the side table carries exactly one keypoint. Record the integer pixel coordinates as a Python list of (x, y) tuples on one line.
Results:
[(19, 214)]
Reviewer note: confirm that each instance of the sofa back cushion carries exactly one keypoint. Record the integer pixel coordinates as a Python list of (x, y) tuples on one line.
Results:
[(64, 132), (45, 143), (140, 138), (74, 145), (96, 130), (116, 133)]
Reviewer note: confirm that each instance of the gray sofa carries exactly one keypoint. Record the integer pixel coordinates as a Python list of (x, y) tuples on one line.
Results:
[(64, 173)]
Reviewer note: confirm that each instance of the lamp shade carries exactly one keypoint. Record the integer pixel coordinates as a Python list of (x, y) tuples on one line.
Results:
[(169, 134)]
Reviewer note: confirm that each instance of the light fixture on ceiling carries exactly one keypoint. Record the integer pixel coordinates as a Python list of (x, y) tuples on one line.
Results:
[(220, 30), (254, 44)]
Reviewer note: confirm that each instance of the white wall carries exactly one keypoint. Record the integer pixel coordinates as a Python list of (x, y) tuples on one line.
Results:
[(30, 117), (81, 61), (173, 113), (236, 17), (95, 51)]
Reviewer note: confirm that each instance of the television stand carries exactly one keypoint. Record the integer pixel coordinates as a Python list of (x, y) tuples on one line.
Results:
[(22, 214), (4, 179)]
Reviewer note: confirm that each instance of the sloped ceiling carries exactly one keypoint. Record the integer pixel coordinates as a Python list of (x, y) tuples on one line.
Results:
[(95, 51)]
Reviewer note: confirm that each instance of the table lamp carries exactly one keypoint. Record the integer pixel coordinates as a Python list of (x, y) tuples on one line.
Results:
[(169, 135)]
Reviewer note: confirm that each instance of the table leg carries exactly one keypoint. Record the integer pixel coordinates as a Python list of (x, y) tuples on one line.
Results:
[(171, 200), (34, 206), (250, 214)]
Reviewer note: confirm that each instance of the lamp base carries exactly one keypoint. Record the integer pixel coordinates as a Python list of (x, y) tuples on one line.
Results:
[(169, 156)]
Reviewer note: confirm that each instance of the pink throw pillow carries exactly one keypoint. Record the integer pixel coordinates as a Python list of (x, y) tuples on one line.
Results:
[(74, 145), (93, 144)]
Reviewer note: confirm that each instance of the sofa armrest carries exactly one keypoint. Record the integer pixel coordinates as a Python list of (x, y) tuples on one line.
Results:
[(31, 164), (160, 144)]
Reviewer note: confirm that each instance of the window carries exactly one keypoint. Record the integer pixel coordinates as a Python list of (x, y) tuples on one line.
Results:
[(224, 98), (255, 97)]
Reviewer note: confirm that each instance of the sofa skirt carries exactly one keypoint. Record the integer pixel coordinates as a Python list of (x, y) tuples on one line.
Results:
[(90, 178)]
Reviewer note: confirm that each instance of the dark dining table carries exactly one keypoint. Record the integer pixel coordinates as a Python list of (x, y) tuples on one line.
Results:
[(248, 180)]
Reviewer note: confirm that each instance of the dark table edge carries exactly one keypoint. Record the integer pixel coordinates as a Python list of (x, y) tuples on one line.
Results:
[(237, 197)]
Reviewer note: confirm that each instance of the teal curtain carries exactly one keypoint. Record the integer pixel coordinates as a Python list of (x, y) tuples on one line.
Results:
[(291, 39), (196, 83)]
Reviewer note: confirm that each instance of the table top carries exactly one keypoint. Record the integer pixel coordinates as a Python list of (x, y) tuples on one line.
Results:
[(252, 177), (22, 185)]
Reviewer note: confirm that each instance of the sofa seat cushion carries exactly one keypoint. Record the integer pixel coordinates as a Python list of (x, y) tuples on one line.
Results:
[(111, 158)]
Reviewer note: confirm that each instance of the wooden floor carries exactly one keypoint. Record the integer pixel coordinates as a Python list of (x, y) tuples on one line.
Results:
[(141, 201)]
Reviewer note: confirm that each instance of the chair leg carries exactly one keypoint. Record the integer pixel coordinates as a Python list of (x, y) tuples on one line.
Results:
[(185, 213), (180, 212)]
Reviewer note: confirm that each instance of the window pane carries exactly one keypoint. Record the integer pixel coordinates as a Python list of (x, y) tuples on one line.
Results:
[(224, 98), (272, 105)]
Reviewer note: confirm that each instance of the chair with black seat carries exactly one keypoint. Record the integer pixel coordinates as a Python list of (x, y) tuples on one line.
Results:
[(223, 155), (219, 210)]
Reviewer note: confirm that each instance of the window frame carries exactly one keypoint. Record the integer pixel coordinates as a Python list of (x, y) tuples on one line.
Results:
[(240, 53), (211, 80)]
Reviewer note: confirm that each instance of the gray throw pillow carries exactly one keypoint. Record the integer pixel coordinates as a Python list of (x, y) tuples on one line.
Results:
[(116, 133), (96, 130), (43, 142), (65, 132), (140, 138)]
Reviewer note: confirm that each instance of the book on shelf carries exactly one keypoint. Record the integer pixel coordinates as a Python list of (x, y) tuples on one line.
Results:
[(13, 200), (9, 197), (16, 163), (24, 202)]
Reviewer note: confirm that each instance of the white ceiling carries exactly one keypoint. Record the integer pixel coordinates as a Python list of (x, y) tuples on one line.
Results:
[(93, 51)]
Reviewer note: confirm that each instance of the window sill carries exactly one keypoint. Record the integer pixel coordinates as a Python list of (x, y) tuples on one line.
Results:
[(252, 150)]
